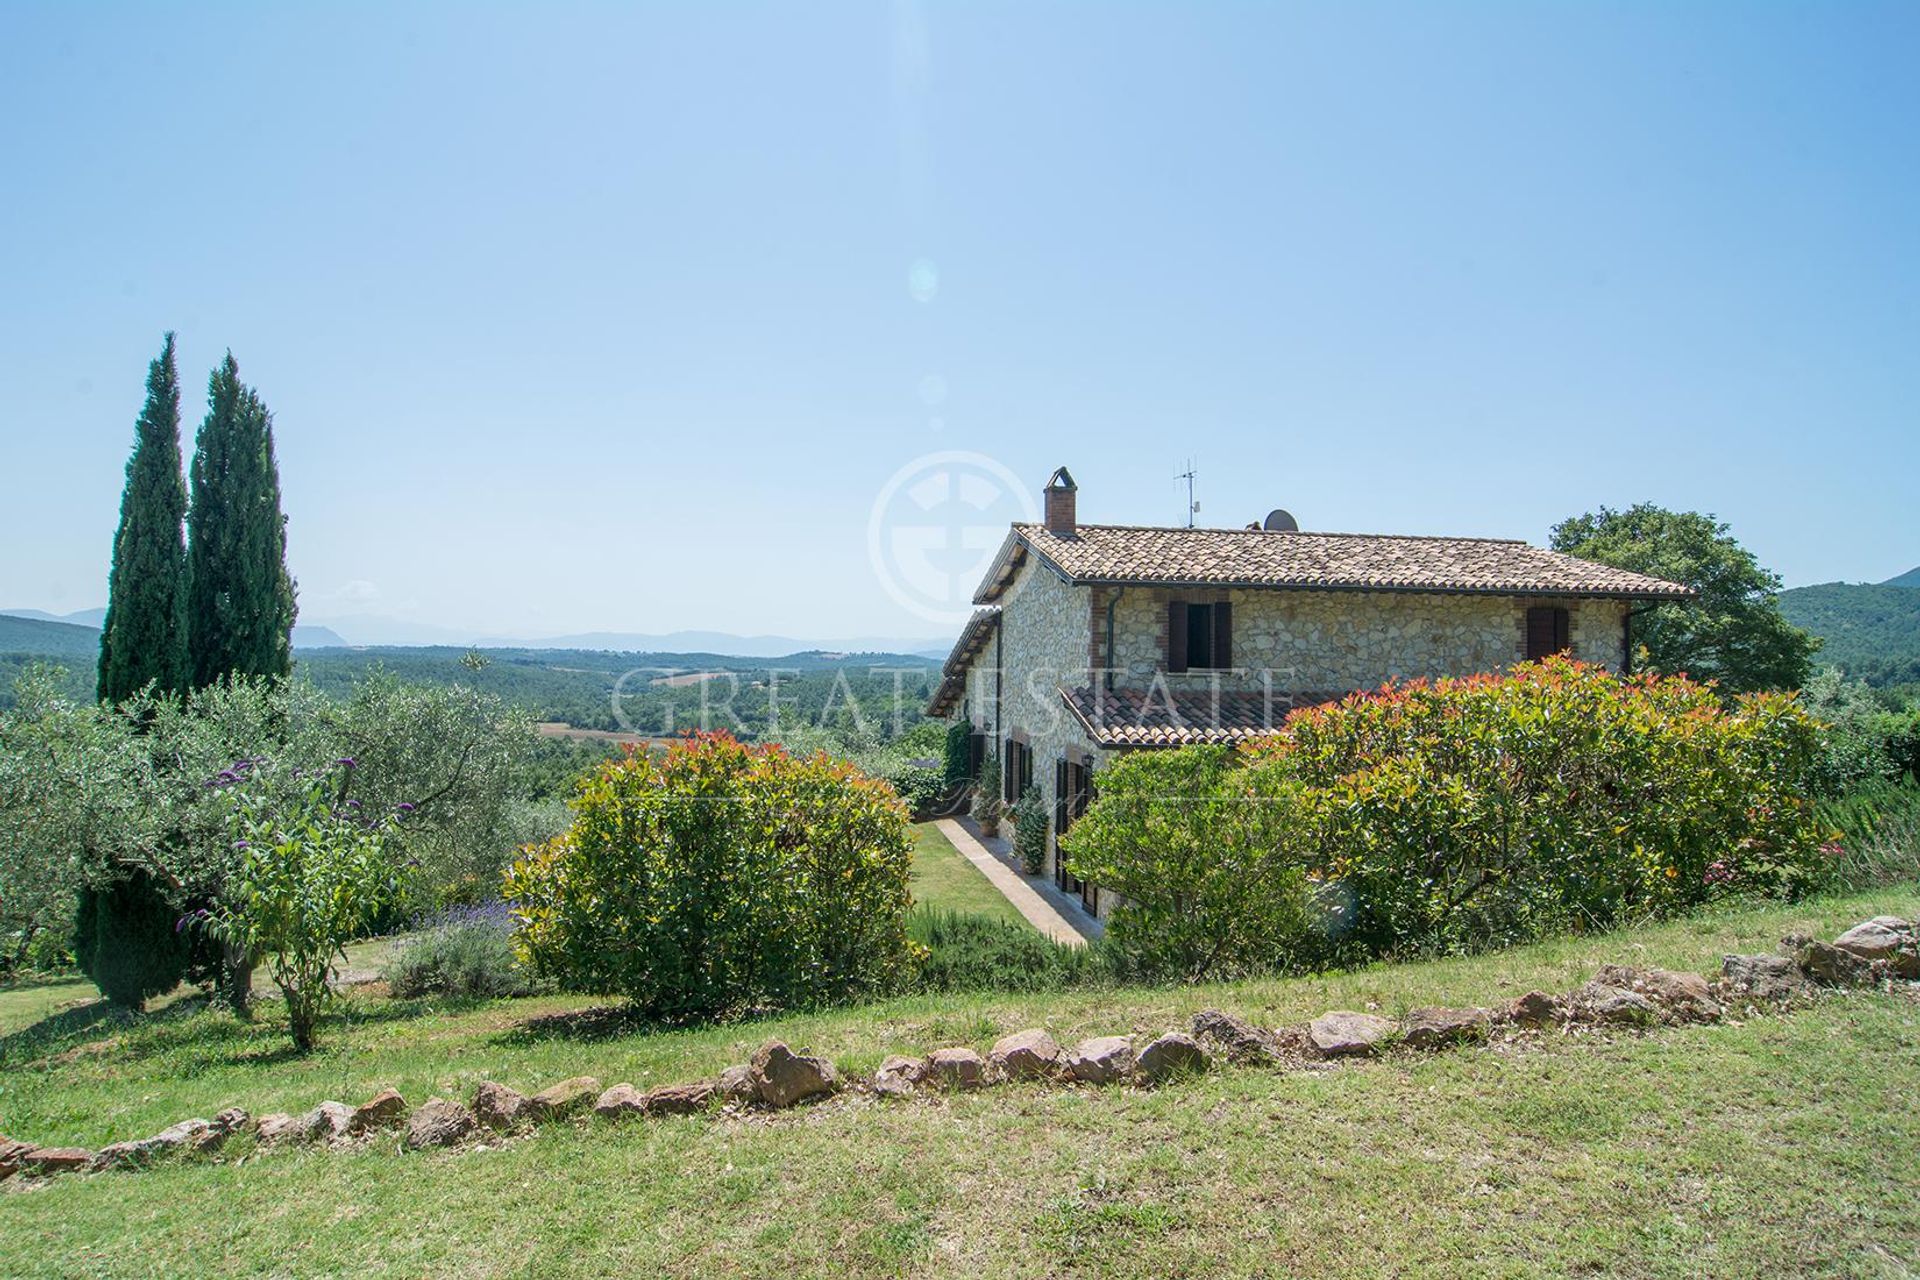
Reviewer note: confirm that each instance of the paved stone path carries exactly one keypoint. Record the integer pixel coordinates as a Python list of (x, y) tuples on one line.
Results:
[(1065, 923)]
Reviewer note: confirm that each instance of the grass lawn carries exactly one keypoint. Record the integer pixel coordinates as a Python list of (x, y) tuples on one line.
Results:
[(943, 878), (1771, 1146), (23, 1004)]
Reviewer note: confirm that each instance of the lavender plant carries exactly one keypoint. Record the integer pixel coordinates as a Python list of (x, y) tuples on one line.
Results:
[(460, 951)]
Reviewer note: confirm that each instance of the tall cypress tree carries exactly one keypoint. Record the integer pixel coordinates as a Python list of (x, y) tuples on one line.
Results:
[(240, 597), (144, 636), (124, 937)]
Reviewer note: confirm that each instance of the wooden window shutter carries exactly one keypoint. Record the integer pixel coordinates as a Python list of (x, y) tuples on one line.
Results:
[(1060, 799), (1176, 635), (1222, 635), (1548, 631)]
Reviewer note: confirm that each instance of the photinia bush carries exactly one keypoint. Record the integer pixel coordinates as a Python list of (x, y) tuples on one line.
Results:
[(718, 878), (1453, 815)]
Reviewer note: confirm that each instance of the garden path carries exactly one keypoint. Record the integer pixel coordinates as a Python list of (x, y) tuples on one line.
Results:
[(1064, 920)]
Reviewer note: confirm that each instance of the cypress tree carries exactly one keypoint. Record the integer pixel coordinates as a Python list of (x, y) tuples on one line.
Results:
[(124, 937), (240, 597), (144, 636)]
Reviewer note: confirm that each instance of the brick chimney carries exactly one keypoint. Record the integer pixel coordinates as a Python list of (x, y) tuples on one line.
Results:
[(1060, 490)]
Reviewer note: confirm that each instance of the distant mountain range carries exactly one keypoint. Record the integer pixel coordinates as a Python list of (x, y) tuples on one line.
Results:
[(305, 635), (375, 630), (378, 632), (1869, 630), (601, 688), (48, 637)]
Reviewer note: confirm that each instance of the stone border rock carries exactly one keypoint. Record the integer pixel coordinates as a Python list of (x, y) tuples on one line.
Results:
[(1878, 952)]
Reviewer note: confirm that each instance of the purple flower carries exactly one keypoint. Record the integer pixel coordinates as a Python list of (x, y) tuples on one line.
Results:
[(346, 762), (240, 844), (405, 806)]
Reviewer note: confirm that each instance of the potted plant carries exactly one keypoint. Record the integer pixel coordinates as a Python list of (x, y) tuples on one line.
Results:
[(988, 808)]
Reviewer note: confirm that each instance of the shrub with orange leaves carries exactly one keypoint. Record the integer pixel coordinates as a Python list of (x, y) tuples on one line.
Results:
[(1458, 814)]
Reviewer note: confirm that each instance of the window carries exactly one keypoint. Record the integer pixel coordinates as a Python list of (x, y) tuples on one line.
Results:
[(1548, 631), (1199, 636)]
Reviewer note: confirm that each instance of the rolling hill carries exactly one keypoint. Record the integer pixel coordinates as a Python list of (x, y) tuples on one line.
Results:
[(1911, 578), (648, 693), (38, 636), (1869, 630)]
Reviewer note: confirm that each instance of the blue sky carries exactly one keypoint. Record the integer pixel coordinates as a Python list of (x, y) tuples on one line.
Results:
[(609, 317)]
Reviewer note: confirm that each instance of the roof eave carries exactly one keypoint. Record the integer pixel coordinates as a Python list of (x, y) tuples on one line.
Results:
[(1001, 572), (1255, 584)]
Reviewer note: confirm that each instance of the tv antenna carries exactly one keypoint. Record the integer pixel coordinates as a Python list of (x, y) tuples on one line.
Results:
[(1193, 508)]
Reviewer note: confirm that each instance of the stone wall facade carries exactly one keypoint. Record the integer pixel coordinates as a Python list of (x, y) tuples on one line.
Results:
[(1338, 641), (1041, 647)]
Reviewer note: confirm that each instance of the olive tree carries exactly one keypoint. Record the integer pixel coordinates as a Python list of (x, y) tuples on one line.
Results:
[(75, 802)]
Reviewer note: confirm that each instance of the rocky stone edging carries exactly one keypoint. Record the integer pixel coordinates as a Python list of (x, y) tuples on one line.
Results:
[(1875, 952)]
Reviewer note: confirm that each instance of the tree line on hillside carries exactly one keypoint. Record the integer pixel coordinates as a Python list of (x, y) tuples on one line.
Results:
[(1869, 630), (578, 689)]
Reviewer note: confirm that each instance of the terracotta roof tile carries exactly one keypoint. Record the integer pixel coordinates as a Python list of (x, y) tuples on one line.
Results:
[(1180, 717), (1329, 561)]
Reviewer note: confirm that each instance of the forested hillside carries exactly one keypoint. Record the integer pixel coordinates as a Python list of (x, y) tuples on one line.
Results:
[(1871, 631), (25, 641), (651, 693), (655, 693), (1911, 578)]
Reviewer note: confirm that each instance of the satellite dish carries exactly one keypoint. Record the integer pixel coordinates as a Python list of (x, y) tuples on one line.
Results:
[(1279, 521)]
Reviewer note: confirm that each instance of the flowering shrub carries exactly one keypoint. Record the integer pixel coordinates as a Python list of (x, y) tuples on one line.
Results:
[(718, 878), (1457, 814), (312, 870)]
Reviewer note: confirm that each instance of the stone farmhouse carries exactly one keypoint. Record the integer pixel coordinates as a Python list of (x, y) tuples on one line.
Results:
[(1095, 639)]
